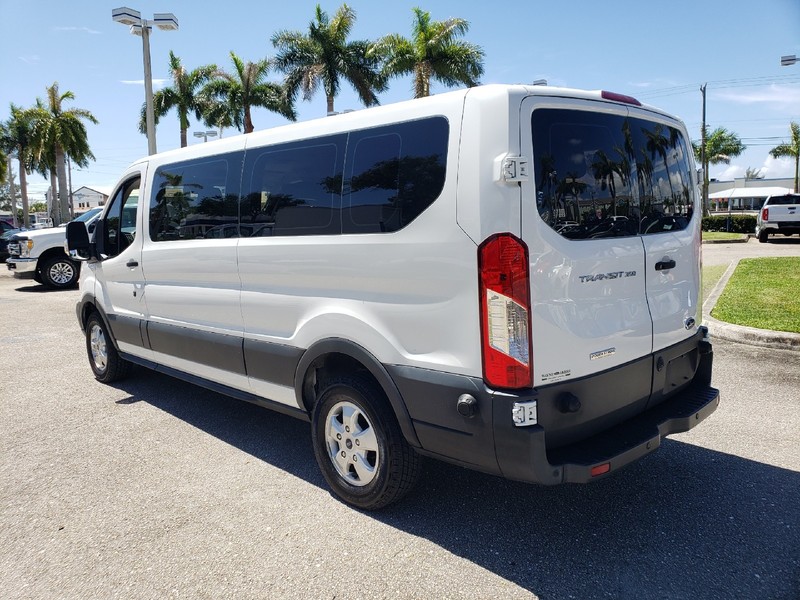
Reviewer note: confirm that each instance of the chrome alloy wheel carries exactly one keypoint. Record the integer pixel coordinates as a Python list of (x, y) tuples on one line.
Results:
[(97, 345), (61, 272), (352, 444)]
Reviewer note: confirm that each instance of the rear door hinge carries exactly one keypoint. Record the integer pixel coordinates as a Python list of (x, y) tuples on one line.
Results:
[(514, 169)]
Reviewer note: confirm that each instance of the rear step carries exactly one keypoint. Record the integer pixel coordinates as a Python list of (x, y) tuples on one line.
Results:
[(624, 443)]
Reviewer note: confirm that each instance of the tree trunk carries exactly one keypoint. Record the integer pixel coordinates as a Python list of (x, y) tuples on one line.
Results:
[(13, 194), (63, 196), (330, 104), (54, 210), (422, 80), (184, 143), (23, 190), (248, 121), (796, 173)]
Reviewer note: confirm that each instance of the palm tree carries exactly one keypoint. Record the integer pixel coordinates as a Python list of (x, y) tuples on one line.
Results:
[(433, 52), (721, 146), (184, 95), (17, 139), (324, 57), (659, 144), (58, 134), (792, 149), (235, 94)]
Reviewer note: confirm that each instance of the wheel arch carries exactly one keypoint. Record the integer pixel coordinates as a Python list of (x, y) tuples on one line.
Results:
[(336, 355), (86, 307), (52, 253)]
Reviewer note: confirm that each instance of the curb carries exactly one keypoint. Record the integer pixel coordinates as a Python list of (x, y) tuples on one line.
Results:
[(765, 338)]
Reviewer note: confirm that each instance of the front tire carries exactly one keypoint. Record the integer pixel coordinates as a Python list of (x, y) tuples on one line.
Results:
[(359, 446), (106, 363), (60, 273)]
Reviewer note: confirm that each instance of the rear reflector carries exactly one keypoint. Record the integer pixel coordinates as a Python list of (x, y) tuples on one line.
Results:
[(505, 312), (620, 98), (600, 469)]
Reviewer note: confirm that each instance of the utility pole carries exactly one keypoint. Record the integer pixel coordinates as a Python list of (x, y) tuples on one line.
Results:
[(706, 207)]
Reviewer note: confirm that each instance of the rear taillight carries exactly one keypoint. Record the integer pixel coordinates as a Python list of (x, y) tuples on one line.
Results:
[(765, 214), (505, 301)]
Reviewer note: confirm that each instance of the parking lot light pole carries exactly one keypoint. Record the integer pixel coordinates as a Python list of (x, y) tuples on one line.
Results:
[(205, 134), (140, 26)]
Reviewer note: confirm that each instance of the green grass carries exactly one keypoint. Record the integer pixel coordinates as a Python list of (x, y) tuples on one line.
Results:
[(712, 236), (711, 275), (763, 293)]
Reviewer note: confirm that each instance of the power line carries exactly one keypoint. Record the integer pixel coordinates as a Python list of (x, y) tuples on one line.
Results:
[(722, 84)]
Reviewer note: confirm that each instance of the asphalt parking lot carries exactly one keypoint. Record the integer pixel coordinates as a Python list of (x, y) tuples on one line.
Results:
[(153, 488)]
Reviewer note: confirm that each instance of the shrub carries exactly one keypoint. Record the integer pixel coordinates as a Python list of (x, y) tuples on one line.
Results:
[(739, 223)]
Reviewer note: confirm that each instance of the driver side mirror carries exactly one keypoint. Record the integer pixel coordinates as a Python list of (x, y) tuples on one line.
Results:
[(78, 244)]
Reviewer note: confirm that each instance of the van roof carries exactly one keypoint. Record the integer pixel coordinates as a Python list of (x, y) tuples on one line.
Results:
[(355, 118)]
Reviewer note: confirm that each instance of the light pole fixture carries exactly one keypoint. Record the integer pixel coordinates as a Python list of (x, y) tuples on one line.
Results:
[(205, 134), (142, 27), (788, 60)]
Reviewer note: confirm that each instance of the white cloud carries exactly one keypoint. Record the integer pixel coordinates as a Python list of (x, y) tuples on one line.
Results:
[(777, 167), (86, 29), (30, 59), (775, 96)]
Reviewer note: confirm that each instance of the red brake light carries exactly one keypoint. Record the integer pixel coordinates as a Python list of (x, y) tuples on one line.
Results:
[(505, 312), (765, 214), (620, 98)]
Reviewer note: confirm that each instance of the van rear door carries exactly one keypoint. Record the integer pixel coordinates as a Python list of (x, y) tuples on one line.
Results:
[(580, 220), (609, 219)]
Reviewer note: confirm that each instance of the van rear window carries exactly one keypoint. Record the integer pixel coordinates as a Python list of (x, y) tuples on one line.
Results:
[(603, 175)]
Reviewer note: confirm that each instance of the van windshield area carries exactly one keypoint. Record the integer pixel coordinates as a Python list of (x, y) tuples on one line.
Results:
[(603, 175)]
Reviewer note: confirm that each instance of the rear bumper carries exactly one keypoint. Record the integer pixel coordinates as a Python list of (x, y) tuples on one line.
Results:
[(617, 447), (614, 425), (21, 265)]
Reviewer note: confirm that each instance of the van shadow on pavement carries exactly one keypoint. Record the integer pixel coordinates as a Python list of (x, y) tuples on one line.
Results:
[(685, 522)]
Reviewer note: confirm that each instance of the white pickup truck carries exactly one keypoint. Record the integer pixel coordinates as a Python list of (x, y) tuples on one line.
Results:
[(41, 252), (780, 214)]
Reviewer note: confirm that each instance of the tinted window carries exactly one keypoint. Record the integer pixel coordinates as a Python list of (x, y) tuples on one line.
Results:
[(393, 174), (601, 175), (196, 199), (784, 200), (294, 189)]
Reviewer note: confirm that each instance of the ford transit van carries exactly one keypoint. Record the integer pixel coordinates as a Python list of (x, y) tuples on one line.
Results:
[(504, 277)]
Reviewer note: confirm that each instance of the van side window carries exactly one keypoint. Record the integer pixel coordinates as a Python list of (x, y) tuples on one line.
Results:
[(394, 173), (294, 189), (603, 175), (120, 221), (196, 199)]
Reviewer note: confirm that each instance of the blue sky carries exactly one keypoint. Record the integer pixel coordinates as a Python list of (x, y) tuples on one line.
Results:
[(659, 52)]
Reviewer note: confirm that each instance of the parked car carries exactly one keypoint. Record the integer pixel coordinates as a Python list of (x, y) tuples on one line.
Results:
[(779, 214), (5, 238), (42, 253), (5, 227)]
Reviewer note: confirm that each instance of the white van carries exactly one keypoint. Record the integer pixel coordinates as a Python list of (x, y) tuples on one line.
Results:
[(505, 277)]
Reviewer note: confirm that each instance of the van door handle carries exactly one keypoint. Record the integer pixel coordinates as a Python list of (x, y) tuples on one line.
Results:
[(664, 265), (135, 263)]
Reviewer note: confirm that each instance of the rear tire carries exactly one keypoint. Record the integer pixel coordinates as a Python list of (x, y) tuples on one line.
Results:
[(106, 363), (60, 273), (763, 236), (359, 446)]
